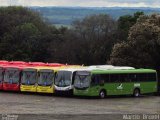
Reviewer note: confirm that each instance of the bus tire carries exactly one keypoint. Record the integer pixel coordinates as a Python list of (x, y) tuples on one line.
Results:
[(102, 94), (136, 92)]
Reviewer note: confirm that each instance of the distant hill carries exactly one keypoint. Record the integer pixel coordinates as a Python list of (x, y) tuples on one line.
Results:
[(66, 15)]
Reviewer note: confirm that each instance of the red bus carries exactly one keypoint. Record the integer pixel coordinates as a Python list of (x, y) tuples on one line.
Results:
[(18, 63), (1, 77), (12, 77), (35, 64), (2, 62)]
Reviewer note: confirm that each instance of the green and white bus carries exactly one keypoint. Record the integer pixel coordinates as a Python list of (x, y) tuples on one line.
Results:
[(64, 80), (115, 82)]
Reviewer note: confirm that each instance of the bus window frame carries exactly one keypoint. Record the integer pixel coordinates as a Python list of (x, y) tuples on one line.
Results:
[(129, 79)]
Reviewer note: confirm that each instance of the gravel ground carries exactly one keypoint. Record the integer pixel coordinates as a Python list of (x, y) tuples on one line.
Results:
[(36, 106)]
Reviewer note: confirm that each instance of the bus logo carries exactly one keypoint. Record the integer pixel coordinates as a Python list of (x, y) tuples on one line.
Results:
[(120, 87)]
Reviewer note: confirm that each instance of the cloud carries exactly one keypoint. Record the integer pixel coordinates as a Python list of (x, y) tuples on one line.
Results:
[(85, 3)]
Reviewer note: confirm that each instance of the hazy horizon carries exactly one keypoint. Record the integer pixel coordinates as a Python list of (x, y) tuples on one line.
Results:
[(82, 3)]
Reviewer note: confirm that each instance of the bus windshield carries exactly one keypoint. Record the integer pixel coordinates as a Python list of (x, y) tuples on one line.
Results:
[(11, 76), (29, 78), (82, 81), (46, 78), (63, 78)]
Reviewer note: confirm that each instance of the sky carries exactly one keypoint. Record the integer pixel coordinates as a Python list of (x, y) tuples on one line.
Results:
[(84, 3)]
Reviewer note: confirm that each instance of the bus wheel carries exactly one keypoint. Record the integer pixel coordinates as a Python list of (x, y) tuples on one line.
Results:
[(102, 94), (136, 93)]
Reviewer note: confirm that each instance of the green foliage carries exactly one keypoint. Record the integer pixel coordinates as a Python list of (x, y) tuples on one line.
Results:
[(124, 24), (23, 35), (88, 42), (143, 46)]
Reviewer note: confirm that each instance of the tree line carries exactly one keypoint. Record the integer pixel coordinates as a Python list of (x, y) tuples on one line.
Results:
[(132, 40)]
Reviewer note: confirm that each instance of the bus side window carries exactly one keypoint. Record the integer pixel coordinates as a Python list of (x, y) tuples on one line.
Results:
[(142, 77), (132, 77), (124, 78), (104, 78), (95, 80), (114, 78)]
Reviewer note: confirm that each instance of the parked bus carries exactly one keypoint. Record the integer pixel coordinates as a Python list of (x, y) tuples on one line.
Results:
[(12, 77), (115, 82), (17, 63), (29, 80), (55, 64), (46, 79), (1, 77), (64, 80), (36, 64), (3, 62)]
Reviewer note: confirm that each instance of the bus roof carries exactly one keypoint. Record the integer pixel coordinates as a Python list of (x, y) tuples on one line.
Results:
[(18, 62), (55, 64), (46, 67), (73, 66), (74, 69), (123, 71), (4, 62), (37, 63), (107, 67), (14, 66)]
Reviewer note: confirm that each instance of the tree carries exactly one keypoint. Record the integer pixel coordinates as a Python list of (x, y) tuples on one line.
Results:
[(24, 35), (143, 46), (124, 24), (23, 41), (89, 41)]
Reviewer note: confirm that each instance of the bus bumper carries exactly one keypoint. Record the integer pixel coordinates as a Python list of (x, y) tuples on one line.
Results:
[(11, 87), (45, 89), (28, 88)]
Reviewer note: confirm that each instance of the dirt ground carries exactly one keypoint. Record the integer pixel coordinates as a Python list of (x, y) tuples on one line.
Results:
[(36, 106)]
